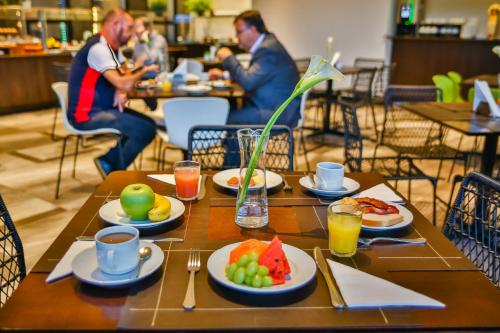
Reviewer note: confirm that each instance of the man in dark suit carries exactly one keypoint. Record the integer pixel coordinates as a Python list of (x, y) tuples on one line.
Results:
[(270, 77)]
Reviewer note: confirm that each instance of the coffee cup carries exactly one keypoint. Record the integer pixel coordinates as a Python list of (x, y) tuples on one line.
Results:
[(117, 249), (329, 175)]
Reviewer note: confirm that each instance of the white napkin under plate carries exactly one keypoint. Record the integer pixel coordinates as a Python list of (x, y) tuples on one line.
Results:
[(362, 290), (380, 192), (63, 267)]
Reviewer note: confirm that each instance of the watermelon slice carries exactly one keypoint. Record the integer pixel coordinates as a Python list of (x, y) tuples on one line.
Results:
[(275, 259), (246, 247)]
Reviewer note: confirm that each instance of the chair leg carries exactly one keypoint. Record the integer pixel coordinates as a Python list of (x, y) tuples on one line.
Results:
[(372, 107), (58, 184), (159, 161), (303, 144), (53, 132), (439, 168), (434, 197), (409, 189), (76, 156)]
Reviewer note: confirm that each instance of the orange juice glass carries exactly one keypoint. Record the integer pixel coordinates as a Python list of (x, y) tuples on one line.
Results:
[(187, 177), (344, 226)]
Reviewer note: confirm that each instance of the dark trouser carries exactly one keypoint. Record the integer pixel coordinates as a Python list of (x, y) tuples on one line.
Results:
[(137, 129)]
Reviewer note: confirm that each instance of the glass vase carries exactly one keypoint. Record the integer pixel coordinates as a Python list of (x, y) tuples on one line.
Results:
[(253, 212)]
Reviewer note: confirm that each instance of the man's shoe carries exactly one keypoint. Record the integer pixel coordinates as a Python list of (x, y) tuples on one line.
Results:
[(102, 166)]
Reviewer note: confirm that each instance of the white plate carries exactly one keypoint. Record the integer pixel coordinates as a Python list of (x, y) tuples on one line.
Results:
[(85, 268), (302, 266), (198, 89), (220, 178), (349, 186), (112, 212), (407, 220)]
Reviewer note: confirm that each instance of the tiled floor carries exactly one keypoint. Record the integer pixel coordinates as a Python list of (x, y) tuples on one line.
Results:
[(28, 172)]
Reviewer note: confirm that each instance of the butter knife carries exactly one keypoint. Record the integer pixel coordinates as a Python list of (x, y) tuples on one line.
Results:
[(335, 296), (203, 190)]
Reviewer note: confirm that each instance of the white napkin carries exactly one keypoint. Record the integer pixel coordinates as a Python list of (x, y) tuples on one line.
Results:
[(63, 267), (182, 69), (360, 289), (380, 192), (169, 179)]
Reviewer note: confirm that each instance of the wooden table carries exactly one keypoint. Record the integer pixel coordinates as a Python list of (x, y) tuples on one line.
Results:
[(235, 92), (491, 79), (459, 116), (436, 269)]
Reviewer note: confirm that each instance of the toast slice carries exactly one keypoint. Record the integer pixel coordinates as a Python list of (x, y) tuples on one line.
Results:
[(376, 220)]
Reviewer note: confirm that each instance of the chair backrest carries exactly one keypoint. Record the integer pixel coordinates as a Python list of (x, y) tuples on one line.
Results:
[(12, 266), (404, 129), (217, 148), (382, 79), (61, 90), (494, 91), (194, 67), (303, 104), (446, 85), (473, 224), (363, 81), (455, 77), (183, 113), (372, 63), (60, 71), (353, 140)]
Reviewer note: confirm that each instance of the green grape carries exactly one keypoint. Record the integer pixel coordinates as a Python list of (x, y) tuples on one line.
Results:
[(267, 281), (230, 269), (263, 270), (257, 281), (243, 261), (252, 268), (248, 280), (253, 256), (239, 275)]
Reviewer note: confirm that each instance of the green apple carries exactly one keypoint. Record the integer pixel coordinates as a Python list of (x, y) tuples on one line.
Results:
[(137, 200)]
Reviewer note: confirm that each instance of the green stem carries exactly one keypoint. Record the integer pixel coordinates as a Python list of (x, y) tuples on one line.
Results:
[(258, 150)]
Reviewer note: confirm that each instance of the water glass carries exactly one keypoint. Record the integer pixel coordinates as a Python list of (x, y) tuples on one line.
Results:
[(187, 178), (344, 227)]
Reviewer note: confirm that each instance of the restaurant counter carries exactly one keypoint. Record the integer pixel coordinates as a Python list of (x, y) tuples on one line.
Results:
[(26, 81), (419, 58)]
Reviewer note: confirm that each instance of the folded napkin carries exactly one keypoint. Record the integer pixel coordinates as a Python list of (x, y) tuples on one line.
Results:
[(63, 267), (169, 179), (360, 289), (381, 192), (182, 69)]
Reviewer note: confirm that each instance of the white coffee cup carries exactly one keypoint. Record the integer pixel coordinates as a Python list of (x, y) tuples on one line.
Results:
[(329, 175), (117, 249)]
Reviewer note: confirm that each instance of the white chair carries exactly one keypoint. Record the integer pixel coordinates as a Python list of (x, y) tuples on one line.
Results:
[(300, 127), (183, 113), (61, 90)]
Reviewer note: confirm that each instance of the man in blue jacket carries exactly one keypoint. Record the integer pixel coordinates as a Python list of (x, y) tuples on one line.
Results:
[(270, 77)]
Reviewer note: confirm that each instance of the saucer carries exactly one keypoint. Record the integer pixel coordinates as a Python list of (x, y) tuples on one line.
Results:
[(85, 268), (349, 186)]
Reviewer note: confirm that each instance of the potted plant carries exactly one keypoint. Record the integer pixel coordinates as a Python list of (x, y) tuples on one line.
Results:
[(200, 7), (158, 6)]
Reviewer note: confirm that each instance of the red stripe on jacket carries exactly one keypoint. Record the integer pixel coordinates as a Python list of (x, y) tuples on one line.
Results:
[(86, 96)]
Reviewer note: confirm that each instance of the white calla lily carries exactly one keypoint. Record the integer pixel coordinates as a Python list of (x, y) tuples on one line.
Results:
[(319, 70)]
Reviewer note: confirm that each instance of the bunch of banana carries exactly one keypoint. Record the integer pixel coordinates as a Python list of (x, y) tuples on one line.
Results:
[(160, 210)]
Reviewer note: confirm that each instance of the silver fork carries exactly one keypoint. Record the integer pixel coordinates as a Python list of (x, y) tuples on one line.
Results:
[(193, 266), (287, 187), (369, 241)]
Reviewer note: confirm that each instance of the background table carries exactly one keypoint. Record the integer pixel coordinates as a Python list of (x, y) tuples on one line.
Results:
[(436, 269), (235, 92), (459, 116)]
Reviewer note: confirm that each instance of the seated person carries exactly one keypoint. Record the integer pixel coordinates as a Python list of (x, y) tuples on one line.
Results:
[(98, 84), (149, 48), (270, 77)]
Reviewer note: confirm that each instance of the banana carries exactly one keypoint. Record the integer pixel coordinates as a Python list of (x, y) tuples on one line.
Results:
[(160, 210)]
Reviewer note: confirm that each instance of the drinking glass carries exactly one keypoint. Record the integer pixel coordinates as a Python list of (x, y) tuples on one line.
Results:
[(187, 178), (344, 226)]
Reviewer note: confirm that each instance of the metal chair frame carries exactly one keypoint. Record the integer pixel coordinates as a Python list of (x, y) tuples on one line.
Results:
[(216, 147), (404, 168), (474, 223), (12, 265)]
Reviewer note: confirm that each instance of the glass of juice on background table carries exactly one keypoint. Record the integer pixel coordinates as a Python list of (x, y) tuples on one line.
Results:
[(344, 226), (187, 177)]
